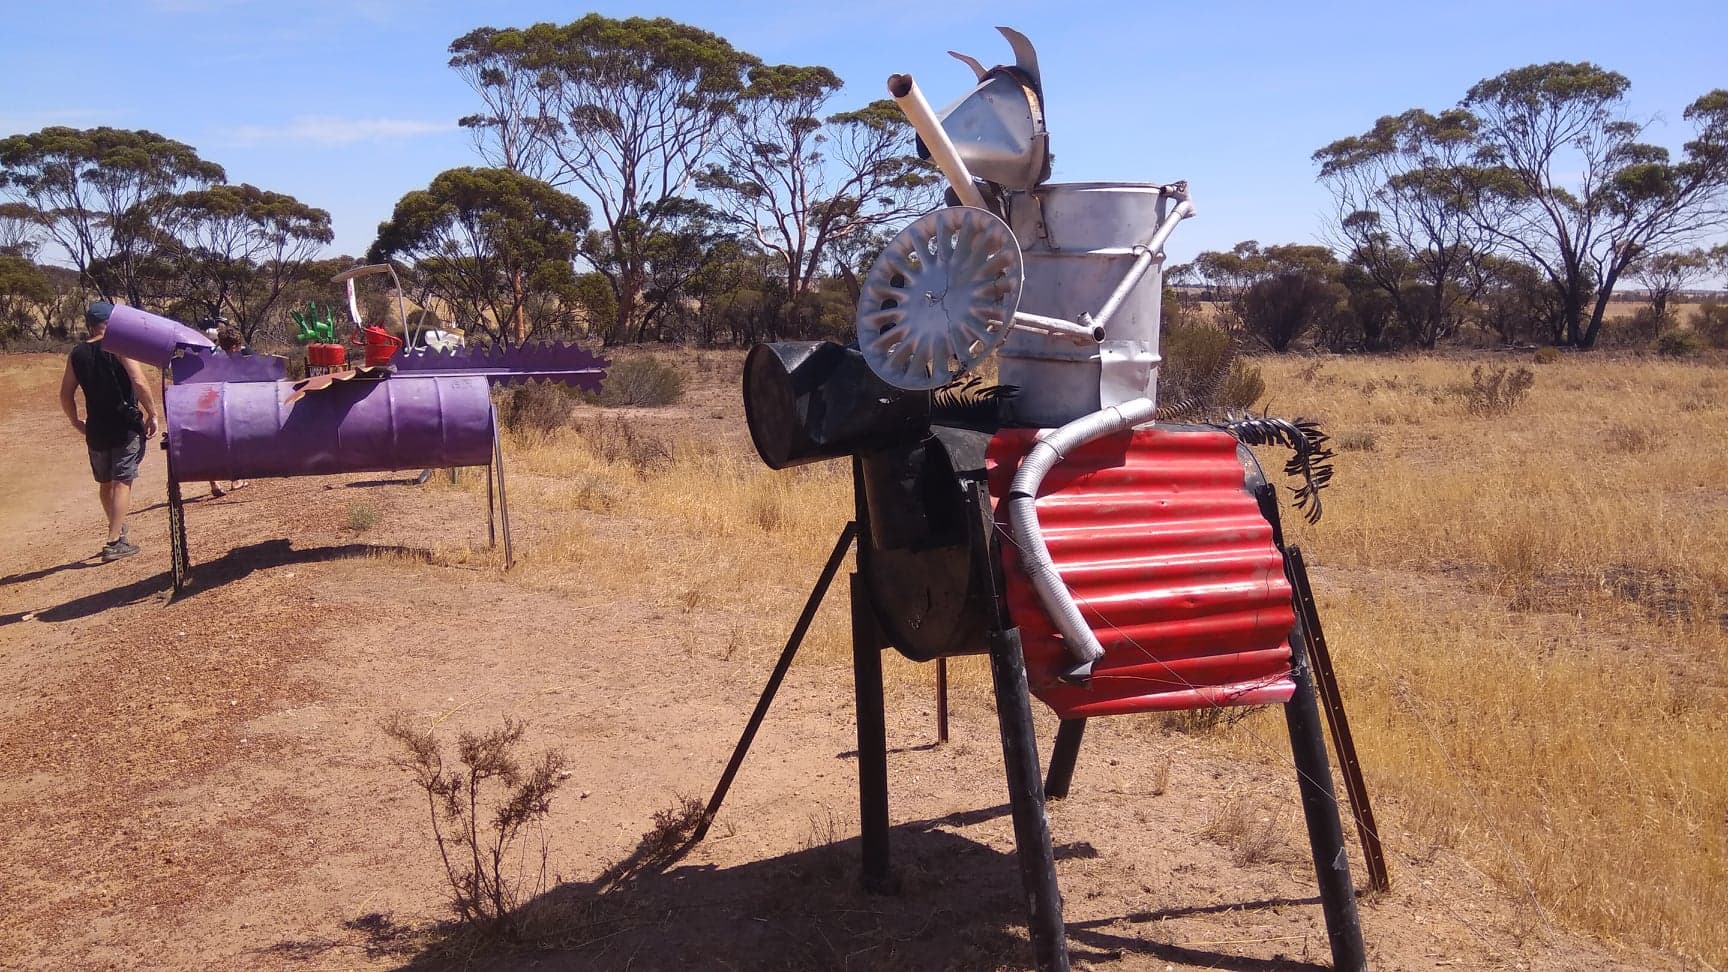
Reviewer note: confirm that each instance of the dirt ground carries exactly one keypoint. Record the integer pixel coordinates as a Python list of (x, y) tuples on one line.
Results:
[(202, 783)]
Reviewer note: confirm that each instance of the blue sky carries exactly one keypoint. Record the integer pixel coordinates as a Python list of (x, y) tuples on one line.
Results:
[(347, 105)]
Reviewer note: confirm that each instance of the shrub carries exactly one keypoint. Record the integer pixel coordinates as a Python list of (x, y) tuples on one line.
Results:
[(362, 517), (1548, 355), (1710, 322), (1679, 344), (1358, 441), (1200, 366), (478, 810), (1495, 391), (642, 382), (538, 406), (615, 440)]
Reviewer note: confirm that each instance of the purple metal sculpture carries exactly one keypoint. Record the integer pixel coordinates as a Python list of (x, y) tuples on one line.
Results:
[(567, 363), (234, 416), (147, 338), (248, 429)]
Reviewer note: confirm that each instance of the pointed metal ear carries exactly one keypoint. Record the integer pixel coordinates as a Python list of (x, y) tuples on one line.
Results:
[(1025, 58), (969, 61)]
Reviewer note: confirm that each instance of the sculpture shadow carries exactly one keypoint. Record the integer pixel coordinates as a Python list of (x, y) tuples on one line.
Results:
[(960, 906), (208, 575), (30, 575)]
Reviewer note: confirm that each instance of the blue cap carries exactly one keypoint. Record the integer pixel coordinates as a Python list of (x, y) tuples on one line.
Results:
[(98, 312)]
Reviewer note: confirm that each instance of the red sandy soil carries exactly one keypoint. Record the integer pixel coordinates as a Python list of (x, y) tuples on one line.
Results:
[(201, 783)]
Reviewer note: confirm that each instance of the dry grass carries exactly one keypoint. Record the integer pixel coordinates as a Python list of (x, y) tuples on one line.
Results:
[(1531, 629), (1527, 610)]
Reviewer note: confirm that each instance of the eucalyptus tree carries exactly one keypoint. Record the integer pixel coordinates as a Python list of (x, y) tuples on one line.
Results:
[(1564, 182), (241, 246), (96, 191), (1403, 215), (474, 232), (626, 112), (799, 183)]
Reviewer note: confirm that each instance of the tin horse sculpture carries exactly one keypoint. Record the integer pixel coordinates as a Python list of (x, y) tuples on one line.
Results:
[(1108, 559)]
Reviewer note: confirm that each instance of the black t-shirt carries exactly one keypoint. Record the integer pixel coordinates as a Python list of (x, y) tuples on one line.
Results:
[(108, 396)]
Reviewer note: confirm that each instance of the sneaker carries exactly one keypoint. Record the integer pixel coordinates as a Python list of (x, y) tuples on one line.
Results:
[(118, 550)]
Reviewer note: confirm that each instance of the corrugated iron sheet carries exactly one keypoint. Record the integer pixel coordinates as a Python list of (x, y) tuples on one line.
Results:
[(1172, 564)]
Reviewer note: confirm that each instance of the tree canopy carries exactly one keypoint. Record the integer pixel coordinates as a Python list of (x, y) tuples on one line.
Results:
[(492, 244)]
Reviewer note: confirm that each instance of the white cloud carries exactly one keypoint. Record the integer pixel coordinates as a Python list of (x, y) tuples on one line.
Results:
[(329, 130)]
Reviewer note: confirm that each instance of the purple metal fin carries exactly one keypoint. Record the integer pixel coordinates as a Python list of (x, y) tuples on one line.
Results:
[(570, 364), (191, 366)]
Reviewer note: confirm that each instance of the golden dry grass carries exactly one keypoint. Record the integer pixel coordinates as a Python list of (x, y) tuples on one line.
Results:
[(1527, 611)]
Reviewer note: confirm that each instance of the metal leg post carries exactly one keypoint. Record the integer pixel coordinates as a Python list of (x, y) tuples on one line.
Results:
[(1062, 757), (1320, 807), (1026, 797), (1332, 703), (503, 495), (780, 668), (872, 743), (491, 506), (180, 557), (941, 700)]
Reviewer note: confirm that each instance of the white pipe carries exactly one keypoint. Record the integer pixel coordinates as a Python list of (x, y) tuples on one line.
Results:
[(1052, 593), (1057, 327), (942, 152)]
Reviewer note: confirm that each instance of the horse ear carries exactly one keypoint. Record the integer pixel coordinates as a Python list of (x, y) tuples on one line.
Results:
[(969, 61), (1025, 58)]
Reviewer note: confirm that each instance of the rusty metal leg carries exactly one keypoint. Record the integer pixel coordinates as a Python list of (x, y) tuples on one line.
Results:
[(808, 615), (1062, 757), (1320, 807), (1026, 798), (180, 557), (1332, 703), (872, 744)]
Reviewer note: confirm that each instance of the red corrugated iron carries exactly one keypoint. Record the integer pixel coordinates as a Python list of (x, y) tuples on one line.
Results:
[(1172, 564)]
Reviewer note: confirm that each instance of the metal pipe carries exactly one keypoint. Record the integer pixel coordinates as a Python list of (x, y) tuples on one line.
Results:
[(1143, 260), (781, 667), (1062, 757), (942, 152), (1034, 853), (1023, 520), (1057, 327), (1320, 810), (878, 876), (1152, 251), (941, 700)]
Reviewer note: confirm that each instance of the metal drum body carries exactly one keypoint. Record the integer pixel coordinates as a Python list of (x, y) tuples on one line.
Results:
[(1078, 243), (245, 430)]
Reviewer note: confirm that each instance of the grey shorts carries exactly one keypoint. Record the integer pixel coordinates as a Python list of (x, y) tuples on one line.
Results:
[(119, 464)]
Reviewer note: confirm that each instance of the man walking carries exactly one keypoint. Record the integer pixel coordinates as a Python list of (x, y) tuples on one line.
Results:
[(119, 415)]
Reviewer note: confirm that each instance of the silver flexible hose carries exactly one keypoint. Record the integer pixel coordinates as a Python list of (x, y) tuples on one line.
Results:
[(1023, 520)]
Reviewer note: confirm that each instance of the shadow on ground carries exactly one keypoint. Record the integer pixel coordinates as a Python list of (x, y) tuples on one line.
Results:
[(959, 907), (231, 566)]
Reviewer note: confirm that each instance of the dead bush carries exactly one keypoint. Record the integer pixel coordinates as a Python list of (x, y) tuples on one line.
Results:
[(642, 382), (1201, 366), (1710, 322), (537, 406), (619, 441), (1495, 390), (478, 810)]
